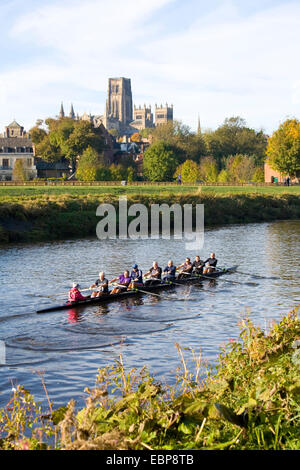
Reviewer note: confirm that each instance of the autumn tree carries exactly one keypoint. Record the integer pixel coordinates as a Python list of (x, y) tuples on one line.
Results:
[(135, 137), (283, 149)]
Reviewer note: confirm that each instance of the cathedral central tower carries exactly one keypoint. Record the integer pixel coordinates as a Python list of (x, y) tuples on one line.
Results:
[(119, 101)]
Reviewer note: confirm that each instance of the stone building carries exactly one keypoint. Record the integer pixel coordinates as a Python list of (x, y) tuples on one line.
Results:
[(15, 144), (142, 117), (118, 110), (119, 113), (163, 114)]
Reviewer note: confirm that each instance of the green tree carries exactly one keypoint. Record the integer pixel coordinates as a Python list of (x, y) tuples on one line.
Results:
[(185, 144), (160, 162), (189, 171), (258, 175), (283, 149), (241, 168), (88, 165), (234, 137), (66, 138), (208, 170), (118, 172), (224, 176), (19, 171)]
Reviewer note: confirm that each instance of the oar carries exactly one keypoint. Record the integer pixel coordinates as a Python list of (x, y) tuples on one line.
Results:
[(225, 280), (60, 293), (136, 290), (256, 275), (146, 292)]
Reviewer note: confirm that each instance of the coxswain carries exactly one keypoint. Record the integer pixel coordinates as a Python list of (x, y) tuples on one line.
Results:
[(123, 282), (102, 284), (210, 264), (187, 268), (169, 272), (154, 273), (198, 265), (136, 277), (74, 294)]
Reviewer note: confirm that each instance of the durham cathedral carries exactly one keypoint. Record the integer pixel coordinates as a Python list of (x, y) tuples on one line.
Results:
[(121, 115)]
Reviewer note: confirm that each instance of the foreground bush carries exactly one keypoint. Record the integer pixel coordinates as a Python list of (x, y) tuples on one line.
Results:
[(250, 401)]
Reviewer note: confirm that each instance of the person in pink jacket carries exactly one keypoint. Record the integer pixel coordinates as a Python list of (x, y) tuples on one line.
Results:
[(74, 294)]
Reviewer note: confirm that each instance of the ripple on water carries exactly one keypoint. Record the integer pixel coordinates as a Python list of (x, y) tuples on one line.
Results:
[(72, 344)]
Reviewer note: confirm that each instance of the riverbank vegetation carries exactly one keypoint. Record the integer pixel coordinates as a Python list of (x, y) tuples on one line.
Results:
[(38, 214), (248, 401)]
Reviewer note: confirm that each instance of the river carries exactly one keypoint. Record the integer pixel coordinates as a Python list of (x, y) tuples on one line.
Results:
[(68, 347)]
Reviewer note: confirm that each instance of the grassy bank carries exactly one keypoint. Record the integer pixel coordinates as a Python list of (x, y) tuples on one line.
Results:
[(250, 402), (36, 214), (8, 192)]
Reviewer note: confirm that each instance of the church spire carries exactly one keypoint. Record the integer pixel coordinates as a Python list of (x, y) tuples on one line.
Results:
[(199, 126), (72, 114), (61, 112)]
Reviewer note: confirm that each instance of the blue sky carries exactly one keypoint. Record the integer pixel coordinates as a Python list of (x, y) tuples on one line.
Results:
[(214, 58)]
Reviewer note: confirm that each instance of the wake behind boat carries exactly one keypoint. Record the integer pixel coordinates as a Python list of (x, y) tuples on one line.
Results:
[(146, 289)]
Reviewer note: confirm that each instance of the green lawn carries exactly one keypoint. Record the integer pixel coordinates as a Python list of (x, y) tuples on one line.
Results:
[(37, 191)]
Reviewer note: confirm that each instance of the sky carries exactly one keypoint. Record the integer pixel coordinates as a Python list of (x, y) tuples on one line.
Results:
[(213, 59)]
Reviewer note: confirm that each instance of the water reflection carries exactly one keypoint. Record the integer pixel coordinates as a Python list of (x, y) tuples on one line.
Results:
[(72, 344)]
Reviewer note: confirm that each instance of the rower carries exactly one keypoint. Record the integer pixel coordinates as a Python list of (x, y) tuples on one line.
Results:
[(102, 283), (136, 277), (169, 272), (198, 265), (210, 264), (187, 268), (74, 294), (123, 282), (154, 273)]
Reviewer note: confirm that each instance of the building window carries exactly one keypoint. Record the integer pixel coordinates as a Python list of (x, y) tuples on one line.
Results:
[(29, 161), (5, 162)]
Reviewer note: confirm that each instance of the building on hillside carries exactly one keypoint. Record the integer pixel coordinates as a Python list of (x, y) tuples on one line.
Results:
[(15, 144), (60, 169)]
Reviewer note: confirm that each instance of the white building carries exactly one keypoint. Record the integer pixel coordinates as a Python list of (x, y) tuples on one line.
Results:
[(15, 144)]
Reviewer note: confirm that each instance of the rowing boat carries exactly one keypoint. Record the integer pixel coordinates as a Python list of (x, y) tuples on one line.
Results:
[(136, 292)]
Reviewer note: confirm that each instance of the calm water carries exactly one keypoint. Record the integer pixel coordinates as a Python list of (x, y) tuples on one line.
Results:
[(69, 346)]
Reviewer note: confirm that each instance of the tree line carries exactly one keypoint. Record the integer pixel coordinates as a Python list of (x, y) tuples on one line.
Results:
[(232, 153)]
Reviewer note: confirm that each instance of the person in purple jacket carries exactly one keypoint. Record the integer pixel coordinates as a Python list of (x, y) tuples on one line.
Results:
[(123, 282)]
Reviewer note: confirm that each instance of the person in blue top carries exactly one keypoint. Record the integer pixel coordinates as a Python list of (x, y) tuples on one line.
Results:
[(169, 272), (136, 277)]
